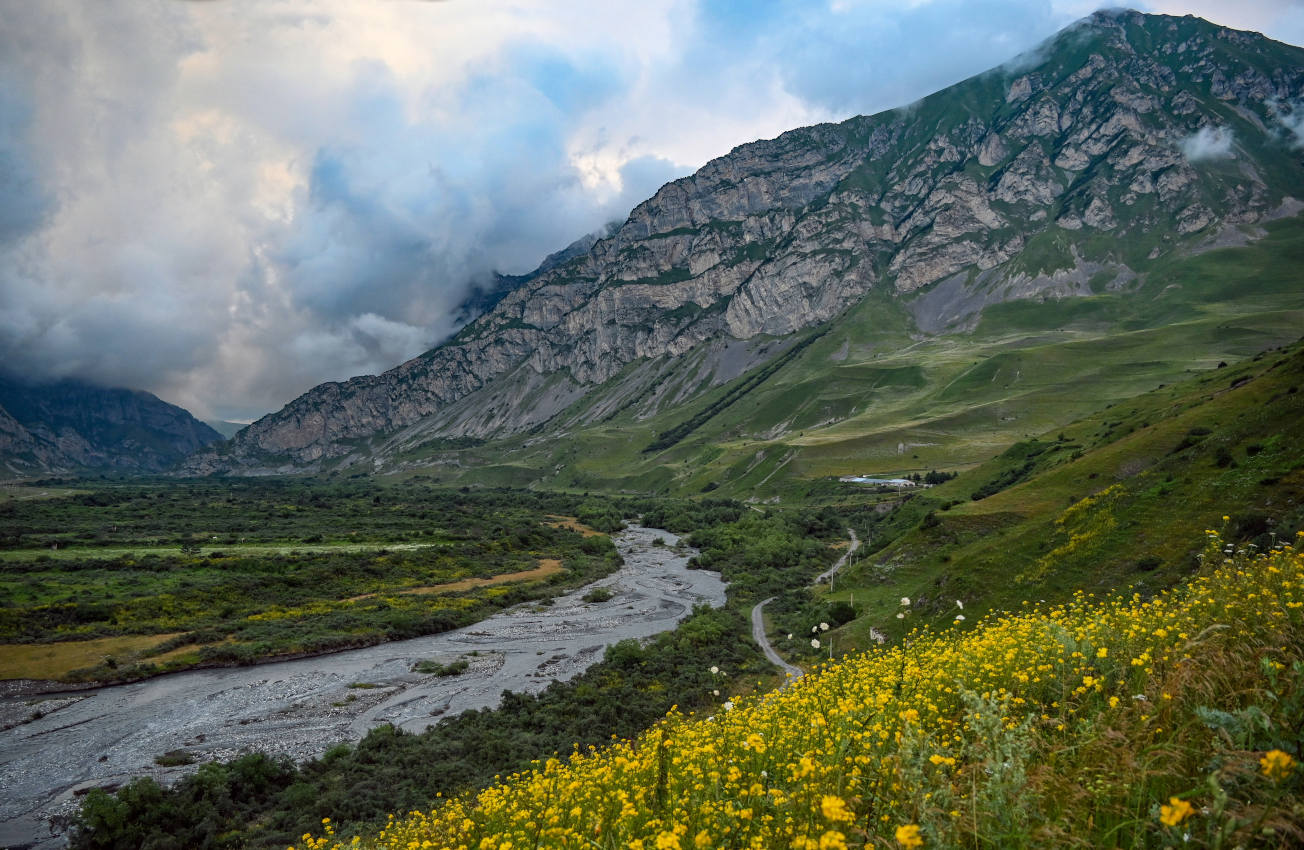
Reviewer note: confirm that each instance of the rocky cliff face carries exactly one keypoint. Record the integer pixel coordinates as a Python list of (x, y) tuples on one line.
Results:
[(70, 426), (1127, 137)]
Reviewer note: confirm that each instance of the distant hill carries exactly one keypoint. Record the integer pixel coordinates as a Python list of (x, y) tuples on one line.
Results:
[(916, 288), (70, 426), (226, 429)]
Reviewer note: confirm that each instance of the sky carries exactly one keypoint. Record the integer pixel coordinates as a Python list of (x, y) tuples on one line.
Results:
[(226, 203)]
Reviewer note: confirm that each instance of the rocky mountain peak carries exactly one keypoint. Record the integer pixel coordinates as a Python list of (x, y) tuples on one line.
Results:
[(1124, 138)]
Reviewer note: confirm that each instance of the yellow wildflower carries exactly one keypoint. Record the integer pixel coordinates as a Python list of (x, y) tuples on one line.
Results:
[(908, 836), (667, 841), (1277, 765), (835, 809), (1175, 812), (833, 840)]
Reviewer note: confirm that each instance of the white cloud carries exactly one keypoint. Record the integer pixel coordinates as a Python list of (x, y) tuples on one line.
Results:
[(1291, 117), (1208, 143)]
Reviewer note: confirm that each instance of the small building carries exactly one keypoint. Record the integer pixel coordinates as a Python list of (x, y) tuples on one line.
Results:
[(881, 482)]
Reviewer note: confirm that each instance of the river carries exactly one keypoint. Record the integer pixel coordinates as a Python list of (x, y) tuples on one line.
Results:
[(300, 708)]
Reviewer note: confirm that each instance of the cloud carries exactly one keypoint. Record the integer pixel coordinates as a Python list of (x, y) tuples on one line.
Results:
[(871, 55), (26, 203), (1208, 143), (250, 206), (226, 203), (1290, 115)]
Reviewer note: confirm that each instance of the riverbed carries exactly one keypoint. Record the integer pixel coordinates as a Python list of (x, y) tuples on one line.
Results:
[(299, 708)]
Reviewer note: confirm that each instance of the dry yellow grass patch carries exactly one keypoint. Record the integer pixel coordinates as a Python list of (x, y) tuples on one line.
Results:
[(188, 649), (572, 523), (547, 567), (56, 660)]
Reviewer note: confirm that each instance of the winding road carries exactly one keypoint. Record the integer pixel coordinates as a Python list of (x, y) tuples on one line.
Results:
[(828, 574), (758, 634), (758, 616)]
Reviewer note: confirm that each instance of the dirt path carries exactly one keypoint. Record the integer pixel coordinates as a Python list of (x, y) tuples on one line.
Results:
[(827, 575), (758, 616), (758, 635)]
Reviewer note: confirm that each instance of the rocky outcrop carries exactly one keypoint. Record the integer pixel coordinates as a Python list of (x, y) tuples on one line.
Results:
[(1001, 186), (70, 426)]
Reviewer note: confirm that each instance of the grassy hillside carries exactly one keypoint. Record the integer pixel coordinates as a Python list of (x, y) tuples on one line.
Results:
[(1116, 498), (1127, 722), (869, 393)]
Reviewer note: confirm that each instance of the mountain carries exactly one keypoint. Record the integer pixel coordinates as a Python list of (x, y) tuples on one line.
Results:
[(70, 426), (486, 294), (1084, 172)]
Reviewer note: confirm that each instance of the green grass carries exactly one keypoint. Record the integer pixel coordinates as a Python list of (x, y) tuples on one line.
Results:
[(1095, 505), (109, 553), (22, 493)]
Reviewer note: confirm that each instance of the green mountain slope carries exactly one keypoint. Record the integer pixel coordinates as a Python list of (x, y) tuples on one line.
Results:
[(1121, 497), (1031, 212), (864, 396)]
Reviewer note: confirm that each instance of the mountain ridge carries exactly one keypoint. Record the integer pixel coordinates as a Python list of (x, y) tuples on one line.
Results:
[(68, 426), (1018, 183)]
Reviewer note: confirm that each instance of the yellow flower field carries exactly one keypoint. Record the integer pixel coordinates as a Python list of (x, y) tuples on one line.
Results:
[(1126, 721)]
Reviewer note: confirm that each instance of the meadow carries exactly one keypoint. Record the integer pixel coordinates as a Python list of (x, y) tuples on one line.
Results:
[(1116, 498)]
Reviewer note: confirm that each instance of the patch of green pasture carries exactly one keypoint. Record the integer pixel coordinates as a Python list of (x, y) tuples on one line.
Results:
[(108, 553), (1118, 498), (26, 492)]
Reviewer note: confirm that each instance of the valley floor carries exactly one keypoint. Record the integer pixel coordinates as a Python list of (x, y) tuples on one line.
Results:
[(301, 708)]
